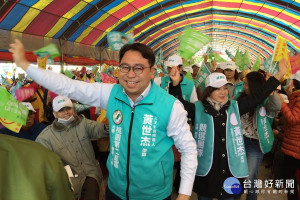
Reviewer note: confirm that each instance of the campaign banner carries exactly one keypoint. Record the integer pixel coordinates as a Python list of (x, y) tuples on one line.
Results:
[(107, 79), (295, 63), (42, 62), (24, 93), (11, 109), (117, 39), (13, 126), (281, 51)]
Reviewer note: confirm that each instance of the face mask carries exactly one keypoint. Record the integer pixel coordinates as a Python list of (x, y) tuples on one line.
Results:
[(66, 122)]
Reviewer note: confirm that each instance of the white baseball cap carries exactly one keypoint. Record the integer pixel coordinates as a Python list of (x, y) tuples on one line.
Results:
[(228, 65), (173, 61), (216, 80), (60, 102), (296, 76), (187, 69), (28, 106)]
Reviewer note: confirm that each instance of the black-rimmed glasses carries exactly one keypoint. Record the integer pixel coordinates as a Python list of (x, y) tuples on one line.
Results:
[(137, 69)]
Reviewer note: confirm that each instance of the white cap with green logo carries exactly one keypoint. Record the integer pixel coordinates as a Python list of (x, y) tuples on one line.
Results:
[(60, 102), (28, 105), (173, 61), (216, 80)]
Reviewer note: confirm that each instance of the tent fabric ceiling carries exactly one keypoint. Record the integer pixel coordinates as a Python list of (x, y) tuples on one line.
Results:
[(251, 25)]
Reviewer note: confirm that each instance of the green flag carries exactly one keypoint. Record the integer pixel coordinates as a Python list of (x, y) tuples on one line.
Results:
[(268, 64), (189, 76), (256, 65), (246, 60), (209, 50), (202, 75), (50, 50), (159, 57), (11, 109), (239, 60), (69, 73), (229, 54), (191, 42), (98, 78), (218, 58), (198, 59), (4, 81)]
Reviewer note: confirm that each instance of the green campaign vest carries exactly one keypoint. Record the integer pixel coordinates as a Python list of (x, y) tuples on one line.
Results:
[(186, 86), (150, 158), (265, 132), (204, 136)]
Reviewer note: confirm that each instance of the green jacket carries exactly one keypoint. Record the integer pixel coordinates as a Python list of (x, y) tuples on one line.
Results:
[(29, 171)]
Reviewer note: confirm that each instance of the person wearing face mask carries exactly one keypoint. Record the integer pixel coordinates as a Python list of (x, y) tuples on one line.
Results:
[(222, 162), (70, 136)]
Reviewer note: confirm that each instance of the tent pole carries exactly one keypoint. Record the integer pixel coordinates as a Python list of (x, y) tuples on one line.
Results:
[(62, 56)]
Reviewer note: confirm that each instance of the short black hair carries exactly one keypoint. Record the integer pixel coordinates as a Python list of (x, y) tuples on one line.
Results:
[(144, 50)]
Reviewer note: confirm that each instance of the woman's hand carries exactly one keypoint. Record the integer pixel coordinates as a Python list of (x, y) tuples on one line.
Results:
[(282, 69), (175, 76)]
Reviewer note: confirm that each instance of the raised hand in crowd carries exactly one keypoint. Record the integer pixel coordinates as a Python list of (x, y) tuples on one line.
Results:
[(18, 53)]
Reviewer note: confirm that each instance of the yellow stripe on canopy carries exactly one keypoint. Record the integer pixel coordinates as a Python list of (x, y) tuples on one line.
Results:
[(30, 15), (64, 19)]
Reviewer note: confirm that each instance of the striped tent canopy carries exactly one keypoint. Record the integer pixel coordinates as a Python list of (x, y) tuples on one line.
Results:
[(251, 25)]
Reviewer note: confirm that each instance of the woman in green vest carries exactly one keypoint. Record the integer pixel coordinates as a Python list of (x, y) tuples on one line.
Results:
[(222, 162), (232, 76), (256, 127)]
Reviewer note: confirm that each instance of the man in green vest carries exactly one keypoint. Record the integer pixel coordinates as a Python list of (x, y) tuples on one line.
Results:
[(144, 123)]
